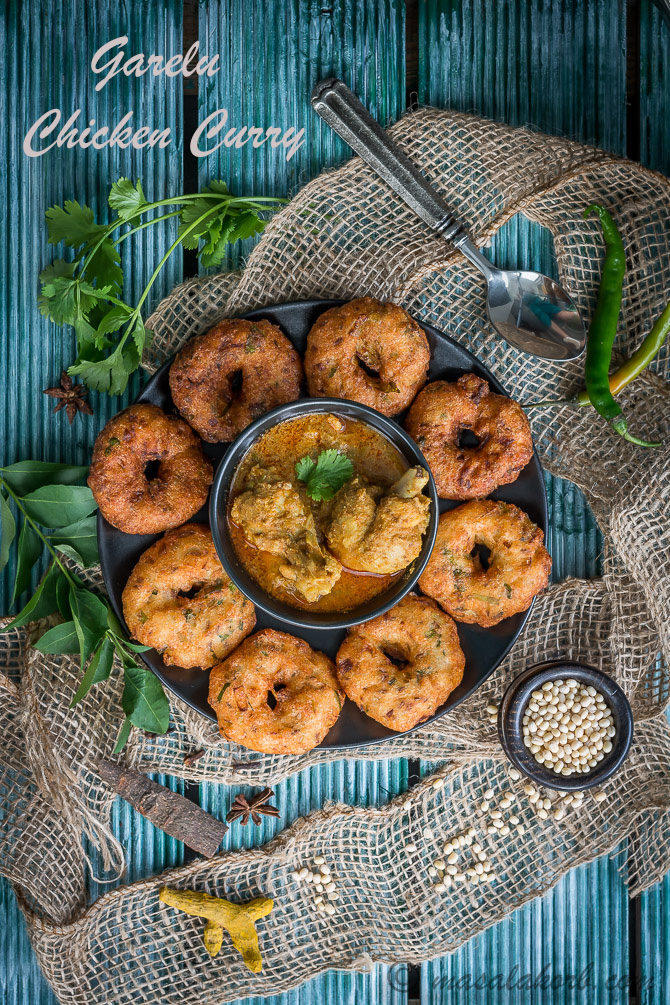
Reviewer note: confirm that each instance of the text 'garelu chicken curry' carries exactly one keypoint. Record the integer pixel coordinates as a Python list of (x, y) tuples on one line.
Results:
[(325, 512)]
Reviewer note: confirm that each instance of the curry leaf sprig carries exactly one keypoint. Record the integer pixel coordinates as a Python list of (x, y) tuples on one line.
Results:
[(326, 475), (57, 513), (86, 292)]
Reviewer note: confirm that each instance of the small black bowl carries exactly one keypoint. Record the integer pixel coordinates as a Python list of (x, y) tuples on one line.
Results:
[(510, 724), (219, 505)]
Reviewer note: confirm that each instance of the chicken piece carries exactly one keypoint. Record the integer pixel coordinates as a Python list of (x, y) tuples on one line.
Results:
[(275, 518), (379, 531)]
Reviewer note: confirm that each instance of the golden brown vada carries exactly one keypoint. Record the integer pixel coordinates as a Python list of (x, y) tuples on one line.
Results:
[(179, 600), (275, 694), (517, 568), (401, 667), (225, 379), (436, 422), (367, 351), (127, 498)]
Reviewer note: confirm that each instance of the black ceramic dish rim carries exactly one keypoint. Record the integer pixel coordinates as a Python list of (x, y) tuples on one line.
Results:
[(218, 504), (510, 714)]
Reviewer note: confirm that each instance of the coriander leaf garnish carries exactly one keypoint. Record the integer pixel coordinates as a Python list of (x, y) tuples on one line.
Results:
[(86, 292), (325, 476)]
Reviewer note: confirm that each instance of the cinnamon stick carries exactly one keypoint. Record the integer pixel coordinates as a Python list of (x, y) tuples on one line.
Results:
[(167, 810)]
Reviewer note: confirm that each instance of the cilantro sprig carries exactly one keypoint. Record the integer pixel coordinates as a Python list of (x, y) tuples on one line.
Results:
[(56, 513), (86, 292), (326, 475)]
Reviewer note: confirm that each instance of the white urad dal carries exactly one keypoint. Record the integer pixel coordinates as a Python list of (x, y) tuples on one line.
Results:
[(568, 726)]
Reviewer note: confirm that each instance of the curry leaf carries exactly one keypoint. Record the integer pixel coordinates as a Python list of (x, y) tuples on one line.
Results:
[(60, 639), (42, 602), (82, 538), (26, 476), (97, 670), (7, 530), (59, 505), (143, 700), (30, 549)]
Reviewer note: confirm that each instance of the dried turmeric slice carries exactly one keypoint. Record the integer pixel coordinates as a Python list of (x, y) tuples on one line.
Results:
[(238, 920)]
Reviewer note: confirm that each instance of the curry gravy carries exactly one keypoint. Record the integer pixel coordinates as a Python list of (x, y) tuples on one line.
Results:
[(371, 454)]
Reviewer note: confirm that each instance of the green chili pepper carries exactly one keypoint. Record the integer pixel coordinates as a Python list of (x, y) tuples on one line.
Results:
[(602, 330), (629, 369)]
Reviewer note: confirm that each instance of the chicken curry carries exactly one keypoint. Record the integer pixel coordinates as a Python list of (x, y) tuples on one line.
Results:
[(325, 513)]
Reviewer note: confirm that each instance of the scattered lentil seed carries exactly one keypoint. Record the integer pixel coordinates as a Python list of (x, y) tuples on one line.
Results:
[(599, 795), (488, 794), (428, 834), (410, 847), (438, 783)]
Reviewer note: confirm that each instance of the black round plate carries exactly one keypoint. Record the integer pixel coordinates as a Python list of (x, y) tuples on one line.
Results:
[(484, 648)]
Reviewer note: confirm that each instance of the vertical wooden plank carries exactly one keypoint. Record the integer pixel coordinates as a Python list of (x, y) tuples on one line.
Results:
[(47, 55), (42, 70), (558, 66), (654, 80), (272, 56)]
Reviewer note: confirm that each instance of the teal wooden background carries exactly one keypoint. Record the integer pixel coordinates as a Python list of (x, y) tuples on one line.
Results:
[(595, 70)]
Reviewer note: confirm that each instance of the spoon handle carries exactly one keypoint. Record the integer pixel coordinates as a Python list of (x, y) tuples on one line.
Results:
[(344, 113)]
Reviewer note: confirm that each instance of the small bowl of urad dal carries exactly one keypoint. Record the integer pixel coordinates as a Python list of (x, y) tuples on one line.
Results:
[(565, 725)]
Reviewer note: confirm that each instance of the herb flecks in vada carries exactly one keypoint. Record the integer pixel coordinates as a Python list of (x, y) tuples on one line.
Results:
[(438, 420), (130, 500), (367, 351), (179, 600), (401, 667), (275, 694), (224, 379), (517, 568)]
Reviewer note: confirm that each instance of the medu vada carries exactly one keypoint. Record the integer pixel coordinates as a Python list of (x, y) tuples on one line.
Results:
[(275, 694), (223, 380), (401, 667), (179, 600), (437, 421), (130, 499), (367, 351), (482, 590)]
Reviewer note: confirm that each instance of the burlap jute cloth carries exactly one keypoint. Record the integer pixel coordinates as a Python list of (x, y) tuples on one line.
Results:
[(344, 235)]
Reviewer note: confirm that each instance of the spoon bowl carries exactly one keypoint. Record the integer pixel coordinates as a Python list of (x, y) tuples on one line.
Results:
[(534, 314)]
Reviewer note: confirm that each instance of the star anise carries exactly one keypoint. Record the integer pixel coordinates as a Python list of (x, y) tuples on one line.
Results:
[(255, 807), (72, 397)]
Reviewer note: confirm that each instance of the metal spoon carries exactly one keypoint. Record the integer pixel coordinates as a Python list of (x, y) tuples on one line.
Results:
[(528, 309)]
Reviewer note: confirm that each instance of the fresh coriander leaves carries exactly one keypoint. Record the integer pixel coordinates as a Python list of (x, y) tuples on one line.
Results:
[(326, 475), (127, 199), (57, 514), (86, 292)]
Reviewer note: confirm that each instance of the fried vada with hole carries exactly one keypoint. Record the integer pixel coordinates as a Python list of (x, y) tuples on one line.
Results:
[(367, 351), (179, 600), (443, 412), (401, 667), (485, 593), (275, 694), (130, 500), (225, 379)]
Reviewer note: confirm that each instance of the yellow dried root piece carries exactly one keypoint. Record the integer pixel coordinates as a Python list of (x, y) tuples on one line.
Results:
[(239, 920)]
